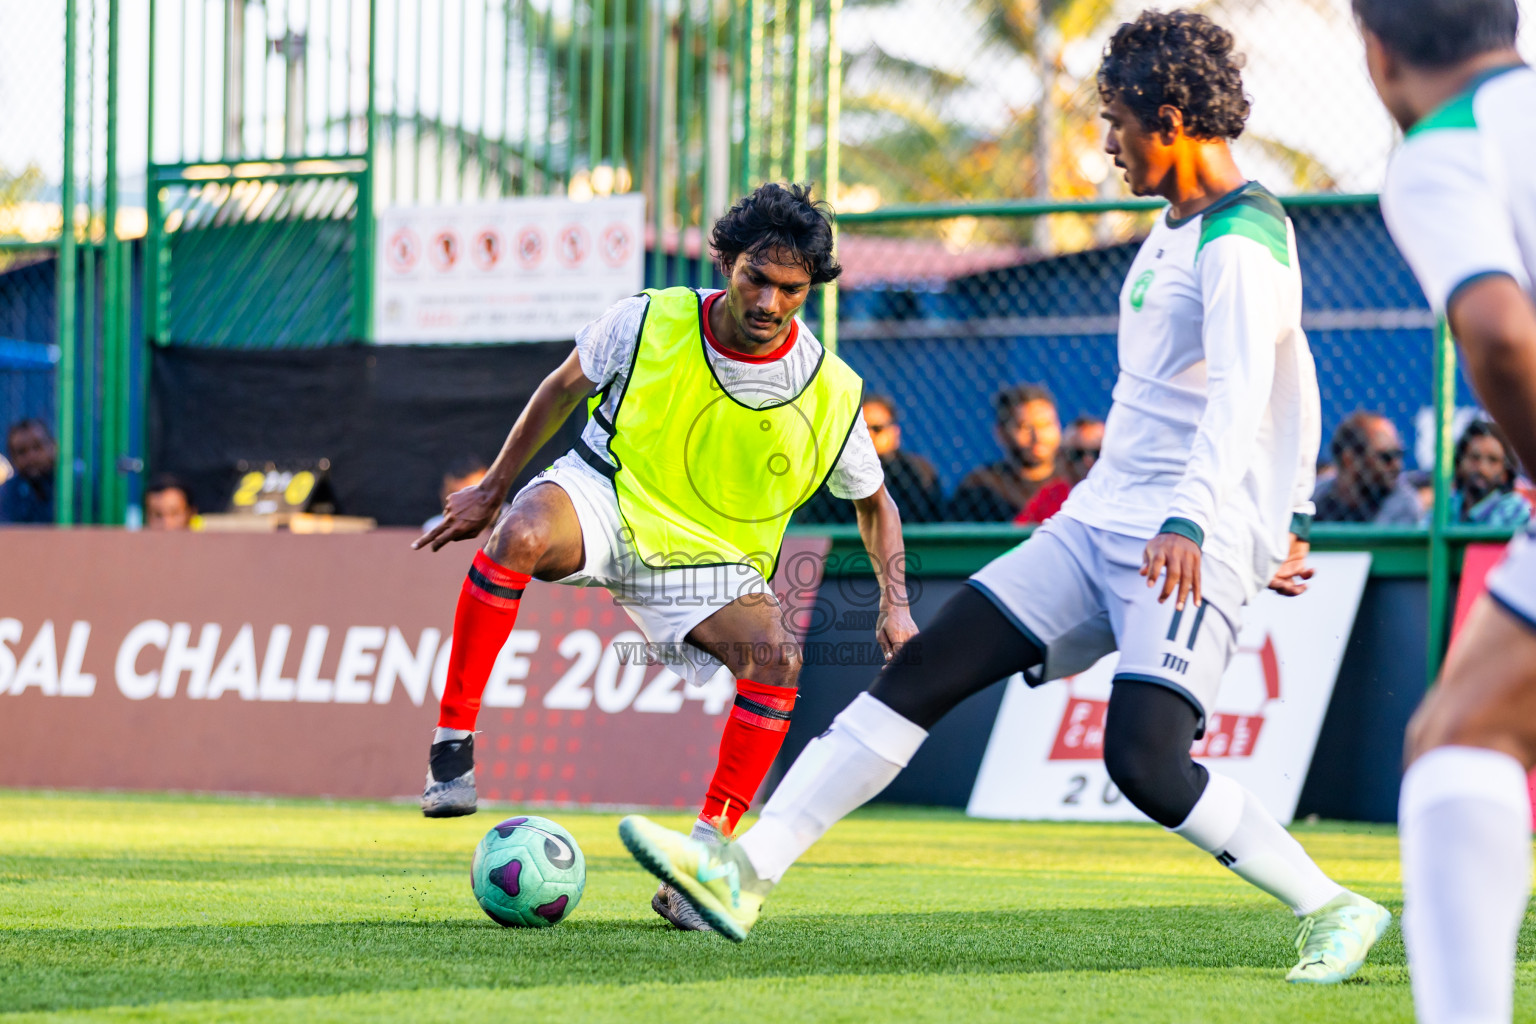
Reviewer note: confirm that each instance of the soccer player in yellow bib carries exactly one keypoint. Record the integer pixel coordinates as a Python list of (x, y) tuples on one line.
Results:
[(717, 413)]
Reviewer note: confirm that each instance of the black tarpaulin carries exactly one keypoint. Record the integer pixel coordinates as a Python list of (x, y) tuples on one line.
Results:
[(389, 418)]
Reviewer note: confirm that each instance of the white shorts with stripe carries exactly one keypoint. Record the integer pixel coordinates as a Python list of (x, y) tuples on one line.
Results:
[(1077, 592), (665, 603), (1512, 585)]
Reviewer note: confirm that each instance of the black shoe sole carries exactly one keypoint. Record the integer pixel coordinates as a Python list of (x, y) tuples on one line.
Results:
[(665, 913), (663, 871), (449, 812)]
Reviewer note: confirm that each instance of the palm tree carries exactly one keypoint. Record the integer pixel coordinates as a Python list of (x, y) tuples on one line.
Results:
[(911, 137)]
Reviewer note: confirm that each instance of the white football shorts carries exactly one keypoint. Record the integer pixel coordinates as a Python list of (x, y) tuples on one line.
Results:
[(665, 603), (1077, 593)]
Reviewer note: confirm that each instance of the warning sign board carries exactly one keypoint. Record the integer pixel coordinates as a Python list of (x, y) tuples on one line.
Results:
[(533, 269)]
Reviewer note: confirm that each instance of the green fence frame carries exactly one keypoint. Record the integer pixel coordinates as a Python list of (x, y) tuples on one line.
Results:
[(630, 95), (92, 401), (1434, 553), (782, 75)]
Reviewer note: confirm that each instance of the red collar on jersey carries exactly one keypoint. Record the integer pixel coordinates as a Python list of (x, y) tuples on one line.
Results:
[(742, 357)]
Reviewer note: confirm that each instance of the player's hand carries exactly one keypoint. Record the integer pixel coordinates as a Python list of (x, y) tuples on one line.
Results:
[(1179, 558), (893, 629), (466, 514), (1291, 578)]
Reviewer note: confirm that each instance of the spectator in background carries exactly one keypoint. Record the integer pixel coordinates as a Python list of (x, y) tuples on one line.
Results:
[(27, 497), (1485, 471), (168, 504), (910, 479), (1079, 451), (1029, 432), (1423, 483), (465, 471), (1369, 486)]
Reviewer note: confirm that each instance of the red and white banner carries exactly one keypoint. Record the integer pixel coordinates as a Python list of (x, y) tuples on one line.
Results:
[(534, 269), (1044, 760), (274, 663)]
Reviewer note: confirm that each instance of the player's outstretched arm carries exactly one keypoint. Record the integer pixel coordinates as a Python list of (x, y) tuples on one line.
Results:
[(1495, 323), (468, 512), (880, 529)]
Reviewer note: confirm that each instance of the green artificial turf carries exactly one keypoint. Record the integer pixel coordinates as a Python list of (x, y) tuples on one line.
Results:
[(175, 908)]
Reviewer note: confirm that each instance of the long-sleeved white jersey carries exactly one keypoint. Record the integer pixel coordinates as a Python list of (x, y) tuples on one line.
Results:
[(1216, 420)]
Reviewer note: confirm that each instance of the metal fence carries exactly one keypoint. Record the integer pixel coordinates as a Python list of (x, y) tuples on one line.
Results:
[(984, 233), (942, 327), (319, 112), (65, 269)]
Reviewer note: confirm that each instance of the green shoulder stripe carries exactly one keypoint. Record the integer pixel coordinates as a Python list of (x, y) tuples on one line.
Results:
[(1458, 111), (1257, 215)]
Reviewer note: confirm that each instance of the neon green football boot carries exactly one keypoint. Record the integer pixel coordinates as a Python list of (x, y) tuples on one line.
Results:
[(1332, 942), (717, 881)]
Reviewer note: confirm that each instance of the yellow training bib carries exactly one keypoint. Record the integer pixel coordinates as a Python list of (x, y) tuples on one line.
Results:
[(703, 479)]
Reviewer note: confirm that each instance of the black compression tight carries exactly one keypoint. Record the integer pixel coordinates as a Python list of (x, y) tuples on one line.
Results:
[(1146, 748), (971, 644)]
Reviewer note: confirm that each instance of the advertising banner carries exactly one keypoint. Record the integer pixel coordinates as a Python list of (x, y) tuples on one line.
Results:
[(312, 665), (533, 269), (1477, 561), (1044, 758)]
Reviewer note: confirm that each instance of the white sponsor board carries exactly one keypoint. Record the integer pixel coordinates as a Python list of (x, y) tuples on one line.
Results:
[(532, 269), (1044, 759)]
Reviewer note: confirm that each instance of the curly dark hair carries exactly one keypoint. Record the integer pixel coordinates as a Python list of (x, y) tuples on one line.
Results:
[(1179, 59), (782, 219), (1439, 33)]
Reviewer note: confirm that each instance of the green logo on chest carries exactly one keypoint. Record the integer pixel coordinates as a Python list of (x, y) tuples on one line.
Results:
[(1139, 289)]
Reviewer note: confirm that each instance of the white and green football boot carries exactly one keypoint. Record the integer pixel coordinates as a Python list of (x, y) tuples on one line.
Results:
[(716, 881), (1332, 942)]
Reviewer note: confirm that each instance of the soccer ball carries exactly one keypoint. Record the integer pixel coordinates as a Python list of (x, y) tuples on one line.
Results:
[(528, 873)]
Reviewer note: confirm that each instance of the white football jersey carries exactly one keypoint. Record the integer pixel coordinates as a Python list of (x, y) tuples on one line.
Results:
[(1216, 417), (1460, 194)]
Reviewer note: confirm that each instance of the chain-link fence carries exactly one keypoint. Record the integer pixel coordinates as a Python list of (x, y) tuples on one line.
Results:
[(995, 99), (31, 152), (942, 330)]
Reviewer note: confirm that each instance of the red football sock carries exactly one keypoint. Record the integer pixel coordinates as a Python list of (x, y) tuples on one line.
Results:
[(753, 735), (487, 609)]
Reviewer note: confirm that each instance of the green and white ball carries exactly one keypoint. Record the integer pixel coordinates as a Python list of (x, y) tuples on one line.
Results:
[(528, 872)]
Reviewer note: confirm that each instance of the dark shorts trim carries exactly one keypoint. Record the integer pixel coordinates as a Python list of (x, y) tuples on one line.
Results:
[(1142, 677)]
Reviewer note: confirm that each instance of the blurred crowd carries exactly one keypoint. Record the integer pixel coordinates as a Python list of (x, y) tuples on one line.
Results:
[(1361, 479)]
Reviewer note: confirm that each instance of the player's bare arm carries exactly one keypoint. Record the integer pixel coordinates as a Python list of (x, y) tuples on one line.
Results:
[(880, 529), (1495, 323), (468, 512)]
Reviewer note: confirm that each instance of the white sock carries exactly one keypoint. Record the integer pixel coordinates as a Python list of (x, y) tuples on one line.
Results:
[(443, 735), (1464, 825), (1229, 821), (842, 769), (705, 832)]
